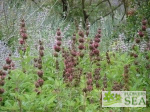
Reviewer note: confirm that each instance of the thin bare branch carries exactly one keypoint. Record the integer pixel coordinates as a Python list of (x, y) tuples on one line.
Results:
[(97, 6), (111, 9), (109, 12)]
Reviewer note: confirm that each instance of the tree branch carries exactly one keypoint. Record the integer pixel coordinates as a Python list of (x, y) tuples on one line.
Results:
[(111, 9), (84, 12), (109, 12), (97, 5), (37, 4), (125, 9), (6, 20), (90, 2)]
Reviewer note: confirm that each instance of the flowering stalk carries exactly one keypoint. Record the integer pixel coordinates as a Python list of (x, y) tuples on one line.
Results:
[(6, 70), (105, 81), (117, 86), (107, 57), (143, 28), (97, 77), (126, 77), (89, 82), (69, 68), (23, 35), (57, 46), (38, 64), (87, 27), (93, 45)]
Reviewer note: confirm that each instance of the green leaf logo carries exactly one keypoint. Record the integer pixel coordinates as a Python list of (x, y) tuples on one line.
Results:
[(117, 97), (109, 96)]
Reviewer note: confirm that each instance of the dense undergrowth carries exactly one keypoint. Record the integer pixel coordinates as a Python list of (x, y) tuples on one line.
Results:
[(71, 78)]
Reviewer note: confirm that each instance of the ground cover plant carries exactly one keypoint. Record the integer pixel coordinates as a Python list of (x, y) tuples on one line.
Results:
[(50, 64)]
